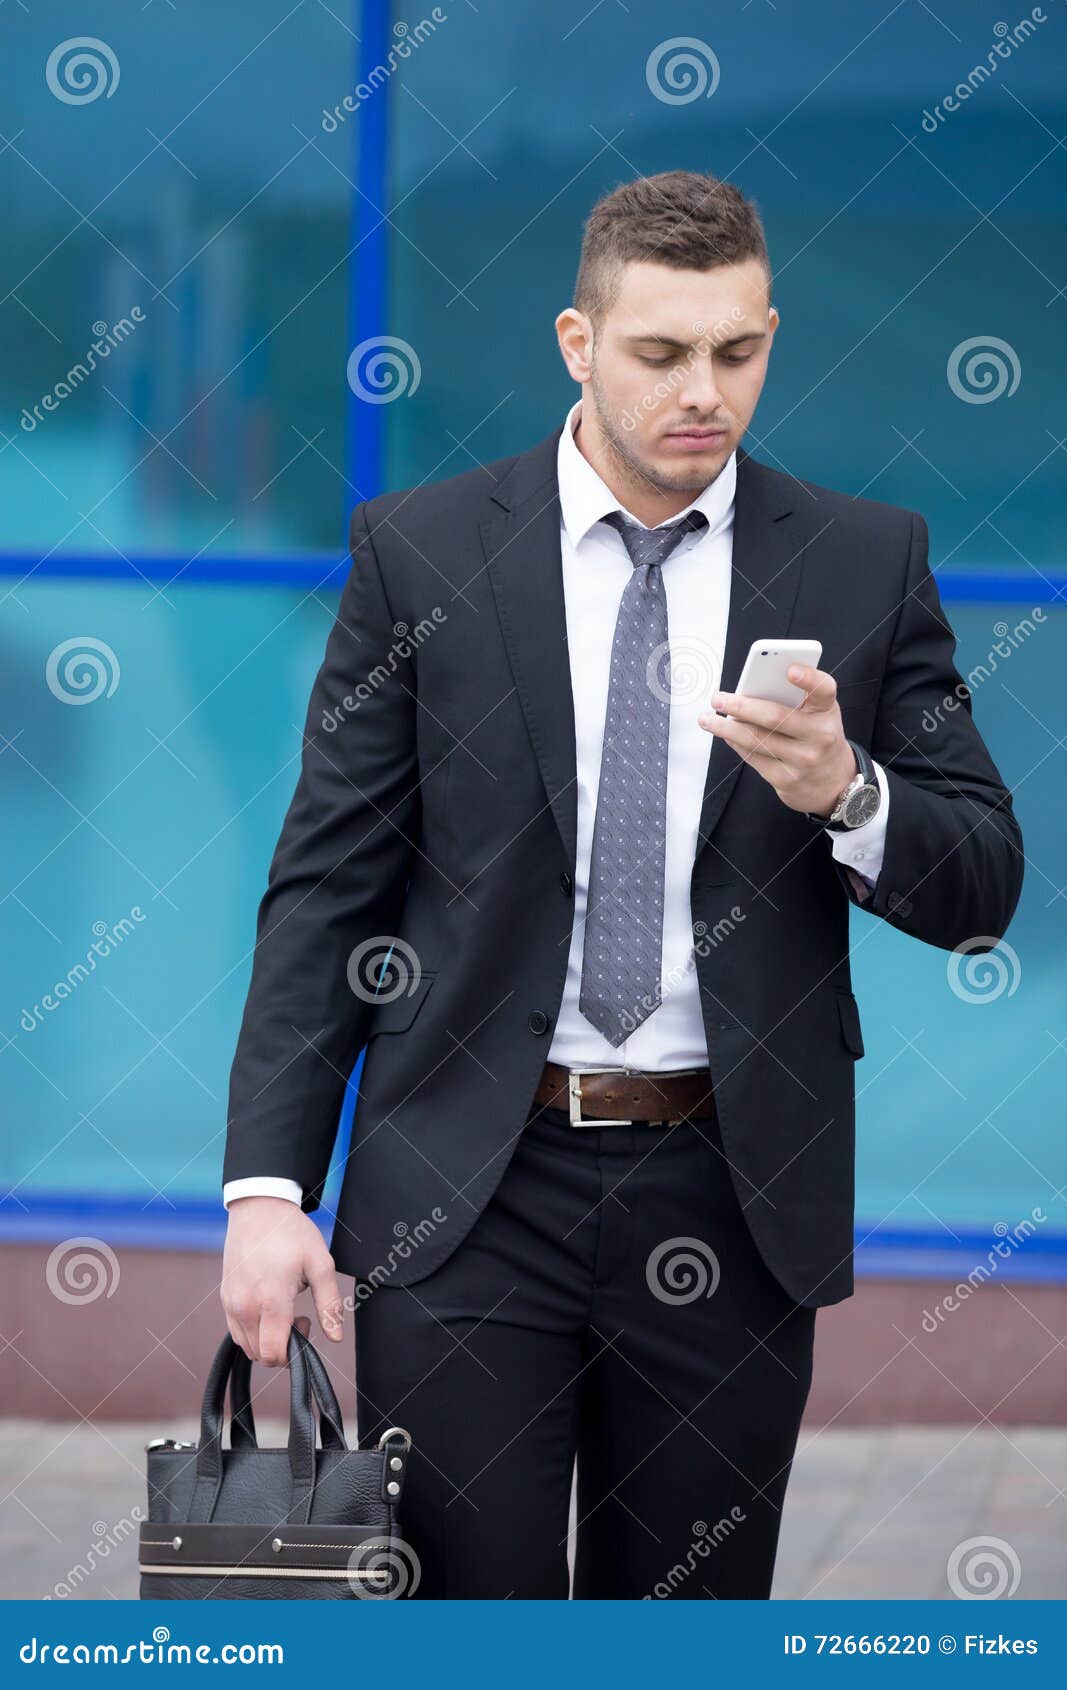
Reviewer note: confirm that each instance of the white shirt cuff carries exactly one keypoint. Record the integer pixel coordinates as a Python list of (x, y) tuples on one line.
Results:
[(265, 1186), (862, 848)]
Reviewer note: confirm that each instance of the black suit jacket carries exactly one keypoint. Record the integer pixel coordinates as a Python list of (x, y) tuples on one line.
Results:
[(436, 806)]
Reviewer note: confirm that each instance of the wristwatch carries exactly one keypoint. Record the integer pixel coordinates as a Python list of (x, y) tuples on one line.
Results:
[(861, 799)]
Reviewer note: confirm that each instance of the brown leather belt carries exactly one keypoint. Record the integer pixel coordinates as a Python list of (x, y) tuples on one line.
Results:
[(598, 1097)]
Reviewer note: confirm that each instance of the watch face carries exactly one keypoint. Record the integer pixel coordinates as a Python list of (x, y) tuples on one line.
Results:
[(862, 806)]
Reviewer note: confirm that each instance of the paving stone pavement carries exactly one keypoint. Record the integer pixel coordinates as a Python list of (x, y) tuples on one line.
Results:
[(871, 1512)]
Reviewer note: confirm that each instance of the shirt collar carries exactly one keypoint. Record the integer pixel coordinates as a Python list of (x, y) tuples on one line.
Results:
[(584, 498)]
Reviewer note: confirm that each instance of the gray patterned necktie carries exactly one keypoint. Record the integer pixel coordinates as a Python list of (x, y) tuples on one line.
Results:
[(623, 944)]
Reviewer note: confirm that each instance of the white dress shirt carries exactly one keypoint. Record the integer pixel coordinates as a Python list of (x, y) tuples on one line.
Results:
[(696, 580)]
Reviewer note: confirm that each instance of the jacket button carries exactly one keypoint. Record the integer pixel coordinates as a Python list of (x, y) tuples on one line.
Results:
[(538, 1022), (566, 884)]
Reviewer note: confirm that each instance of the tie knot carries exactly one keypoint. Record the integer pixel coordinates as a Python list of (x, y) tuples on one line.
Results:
[(654, 545)]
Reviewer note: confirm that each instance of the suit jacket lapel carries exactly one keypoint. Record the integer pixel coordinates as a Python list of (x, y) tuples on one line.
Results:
[(768, 545), (525, 566)]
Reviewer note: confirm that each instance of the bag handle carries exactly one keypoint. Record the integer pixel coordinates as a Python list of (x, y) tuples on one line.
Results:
[(242, 1420), (306, 1382)]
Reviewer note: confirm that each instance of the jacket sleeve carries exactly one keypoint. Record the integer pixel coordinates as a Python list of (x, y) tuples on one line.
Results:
[(953, 862), (336, 882)]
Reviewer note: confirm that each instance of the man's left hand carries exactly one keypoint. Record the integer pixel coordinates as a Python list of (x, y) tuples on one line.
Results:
[(799, 749)]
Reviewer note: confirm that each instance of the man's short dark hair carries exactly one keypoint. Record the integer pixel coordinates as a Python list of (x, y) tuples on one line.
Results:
[(680, 218)]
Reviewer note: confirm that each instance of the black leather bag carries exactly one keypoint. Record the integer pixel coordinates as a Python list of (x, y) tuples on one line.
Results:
[(276, 1524)]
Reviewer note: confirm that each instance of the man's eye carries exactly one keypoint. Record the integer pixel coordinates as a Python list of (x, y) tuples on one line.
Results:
[(656, 363), (736, 358)]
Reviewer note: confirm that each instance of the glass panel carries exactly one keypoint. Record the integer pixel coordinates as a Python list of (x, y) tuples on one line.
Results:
[(509, 122), (174, 278), (147, 818)]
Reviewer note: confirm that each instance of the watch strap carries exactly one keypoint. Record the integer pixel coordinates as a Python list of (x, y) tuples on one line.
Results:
[(865, 776)]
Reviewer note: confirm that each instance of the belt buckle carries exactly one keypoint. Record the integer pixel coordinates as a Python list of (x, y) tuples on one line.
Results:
[(574, 1098)]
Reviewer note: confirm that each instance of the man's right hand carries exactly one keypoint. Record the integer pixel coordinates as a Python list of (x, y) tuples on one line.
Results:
[(273, 1252)]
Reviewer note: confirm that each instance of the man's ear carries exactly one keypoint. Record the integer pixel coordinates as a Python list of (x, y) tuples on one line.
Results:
[(574, 332)]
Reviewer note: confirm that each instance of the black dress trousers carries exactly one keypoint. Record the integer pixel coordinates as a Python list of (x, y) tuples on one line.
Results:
[(608, 1306)]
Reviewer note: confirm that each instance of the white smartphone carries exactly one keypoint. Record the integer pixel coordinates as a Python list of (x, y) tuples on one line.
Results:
[(764, 673)]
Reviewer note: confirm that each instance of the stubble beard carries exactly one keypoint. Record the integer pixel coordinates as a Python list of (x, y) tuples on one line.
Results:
[(634, 470)]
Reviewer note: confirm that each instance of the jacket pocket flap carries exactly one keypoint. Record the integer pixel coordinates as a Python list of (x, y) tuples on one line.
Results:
[(395, 1014), (851, 1031)]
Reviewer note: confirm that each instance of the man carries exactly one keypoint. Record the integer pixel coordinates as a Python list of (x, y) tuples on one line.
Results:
[(601, 1174)]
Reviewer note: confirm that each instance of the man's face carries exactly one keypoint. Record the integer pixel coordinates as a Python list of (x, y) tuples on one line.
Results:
[(677, 368)]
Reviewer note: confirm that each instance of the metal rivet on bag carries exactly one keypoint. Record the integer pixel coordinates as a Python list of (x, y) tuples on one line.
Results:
[(396, 1464), (176, 1543), (393, 1488), (277, 1545)]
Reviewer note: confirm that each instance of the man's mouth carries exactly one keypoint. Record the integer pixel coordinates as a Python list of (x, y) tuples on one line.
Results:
[(697, 439)]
